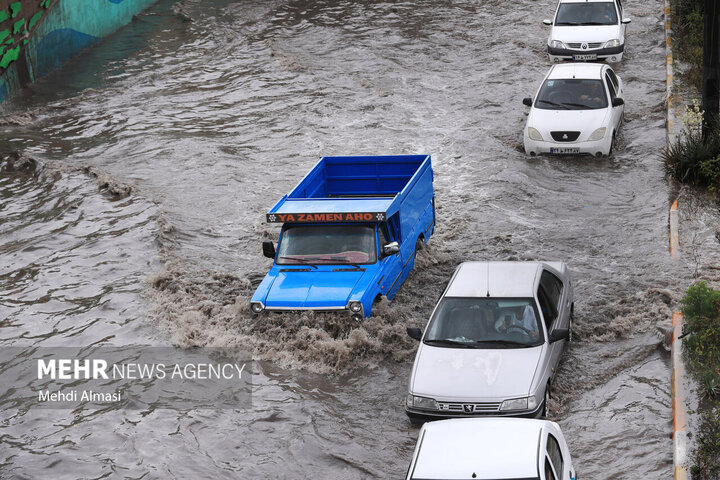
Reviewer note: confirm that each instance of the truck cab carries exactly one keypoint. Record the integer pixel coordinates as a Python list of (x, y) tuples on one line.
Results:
[(350, 231)]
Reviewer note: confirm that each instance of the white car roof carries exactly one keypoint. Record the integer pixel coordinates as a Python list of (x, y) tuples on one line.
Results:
[(576, 70), (587, 1), (490, 448), (498, 279)]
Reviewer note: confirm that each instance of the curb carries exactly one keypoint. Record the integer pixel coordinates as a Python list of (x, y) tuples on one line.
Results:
[(674, 226), (669, 77), (680, 437), (678, 401)]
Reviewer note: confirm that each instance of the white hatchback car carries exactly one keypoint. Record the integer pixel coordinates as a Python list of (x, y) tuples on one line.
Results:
[(491, 448), (578, 109), (493, 342), (587, 30)]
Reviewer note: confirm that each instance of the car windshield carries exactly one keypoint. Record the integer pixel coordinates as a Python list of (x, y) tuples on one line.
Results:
[(586, 13), (572, 94), (327, 244), (481, 322)]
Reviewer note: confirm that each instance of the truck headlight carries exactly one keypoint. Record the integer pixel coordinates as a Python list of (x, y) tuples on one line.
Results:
[(598, 134), (534, 134), (423, 403), (514, 404), (557, 44), (257, 307), (615, 42), (356, 311)]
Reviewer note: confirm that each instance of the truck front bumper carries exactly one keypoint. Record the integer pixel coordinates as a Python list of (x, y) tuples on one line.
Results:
[(258, 307)]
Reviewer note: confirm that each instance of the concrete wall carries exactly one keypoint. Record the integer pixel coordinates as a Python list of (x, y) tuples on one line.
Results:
[(38, 36)]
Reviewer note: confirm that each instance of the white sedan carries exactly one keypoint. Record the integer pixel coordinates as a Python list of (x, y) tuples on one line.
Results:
[(491, 448), (587, 30), (493, 342), (577, 110)]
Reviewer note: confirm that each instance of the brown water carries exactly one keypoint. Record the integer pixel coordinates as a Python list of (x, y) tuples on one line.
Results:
[(209, 121)]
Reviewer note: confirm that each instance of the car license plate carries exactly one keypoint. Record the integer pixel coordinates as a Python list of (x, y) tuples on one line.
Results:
[(564, 150), (587, 56)]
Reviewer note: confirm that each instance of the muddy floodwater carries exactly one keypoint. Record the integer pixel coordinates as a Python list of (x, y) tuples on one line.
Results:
[(159, 151)]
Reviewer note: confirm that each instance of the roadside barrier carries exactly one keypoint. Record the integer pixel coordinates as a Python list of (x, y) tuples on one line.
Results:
[(678, 396), (678, 401), (669, 117), (674, 240)]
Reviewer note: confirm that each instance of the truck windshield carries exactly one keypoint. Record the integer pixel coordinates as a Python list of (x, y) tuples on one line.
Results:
[(327, 244), (485, 323)]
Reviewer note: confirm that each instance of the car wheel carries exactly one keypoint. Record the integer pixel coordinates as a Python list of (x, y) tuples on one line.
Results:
[(546, 403), (612, 145), (570, 326), (419, 245)]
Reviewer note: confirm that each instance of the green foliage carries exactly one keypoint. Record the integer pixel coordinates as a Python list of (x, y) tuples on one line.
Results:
[(694, 160), (690, 42), (710, 174), (706, 455), (700, 301), (701, 309), (710, 382), (682, 159)]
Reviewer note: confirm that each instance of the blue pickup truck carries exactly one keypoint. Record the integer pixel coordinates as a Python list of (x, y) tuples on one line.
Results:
[(350, 232)]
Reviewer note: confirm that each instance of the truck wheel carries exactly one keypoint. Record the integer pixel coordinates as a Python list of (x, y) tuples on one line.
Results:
[(419, 245), (375, 303)]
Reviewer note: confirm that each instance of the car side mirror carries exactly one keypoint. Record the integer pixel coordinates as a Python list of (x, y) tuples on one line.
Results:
[(626, 21), (547, 22), (268, 249), (414, 333), (616, 102), (527, 101), (390, 249), (559, 334)]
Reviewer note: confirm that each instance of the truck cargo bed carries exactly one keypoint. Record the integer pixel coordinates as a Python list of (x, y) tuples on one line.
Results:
[(353, 184)]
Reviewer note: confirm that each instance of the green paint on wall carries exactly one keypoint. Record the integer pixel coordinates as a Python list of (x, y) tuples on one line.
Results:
[(15, 8), (18, 26), (34, 20), (4, 34), (10, 56), (4, 15)]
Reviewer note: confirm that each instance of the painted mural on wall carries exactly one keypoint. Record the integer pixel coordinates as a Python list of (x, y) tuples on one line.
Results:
[(18, 20), (38, 36)]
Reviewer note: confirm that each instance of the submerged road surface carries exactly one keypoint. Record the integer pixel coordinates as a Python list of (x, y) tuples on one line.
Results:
[(209, 111)]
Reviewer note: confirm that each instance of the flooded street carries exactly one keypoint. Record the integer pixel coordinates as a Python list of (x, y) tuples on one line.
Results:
[(208, 112)]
